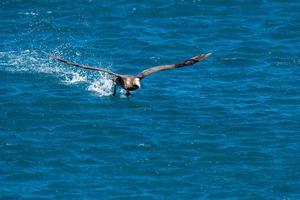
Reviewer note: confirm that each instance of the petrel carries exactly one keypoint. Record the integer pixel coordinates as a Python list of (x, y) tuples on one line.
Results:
[(131, 82)]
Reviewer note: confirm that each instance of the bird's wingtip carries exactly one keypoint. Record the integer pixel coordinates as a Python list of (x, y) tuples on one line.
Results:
[(50, 55), (202, 56), (44, 52), (208, 54)]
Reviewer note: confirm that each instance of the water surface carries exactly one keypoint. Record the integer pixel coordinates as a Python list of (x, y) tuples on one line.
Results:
[(226, 128)]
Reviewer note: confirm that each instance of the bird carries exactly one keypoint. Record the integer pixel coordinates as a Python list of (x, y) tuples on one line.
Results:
[(132, 82)]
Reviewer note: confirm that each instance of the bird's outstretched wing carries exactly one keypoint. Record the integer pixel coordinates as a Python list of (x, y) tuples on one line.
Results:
[(188, 62), (81, 66)]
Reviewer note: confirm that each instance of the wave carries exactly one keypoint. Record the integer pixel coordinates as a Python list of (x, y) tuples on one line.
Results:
[(31, 61)]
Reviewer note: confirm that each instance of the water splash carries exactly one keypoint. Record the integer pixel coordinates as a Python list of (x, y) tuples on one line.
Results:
[(101, 87), (74, 78), (28, 61)]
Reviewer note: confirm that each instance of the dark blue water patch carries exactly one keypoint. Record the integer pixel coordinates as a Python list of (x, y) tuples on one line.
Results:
[(228, 127)]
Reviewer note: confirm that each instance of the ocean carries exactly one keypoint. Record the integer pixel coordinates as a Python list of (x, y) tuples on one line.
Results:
[(227, 127)]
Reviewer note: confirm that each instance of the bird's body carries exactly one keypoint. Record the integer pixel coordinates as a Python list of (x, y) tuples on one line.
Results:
[(127, 82), (130, 82)]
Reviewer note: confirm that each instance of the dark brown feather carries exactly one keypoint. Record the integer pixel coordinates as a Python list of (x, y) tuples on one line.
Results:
[(188, 62), (82, 66)]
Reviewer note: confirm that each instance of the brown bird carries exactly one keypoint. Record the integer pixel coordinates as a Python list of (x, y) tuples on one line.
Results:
[(130, 82)]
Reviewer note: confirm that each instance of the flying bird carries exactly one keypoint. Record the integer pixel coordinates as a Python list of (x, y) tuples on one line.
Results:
[(132, 82)]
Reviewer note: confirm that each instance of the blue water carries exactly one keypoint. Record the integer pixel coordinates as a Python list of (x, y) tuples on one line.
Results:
[(226, 128)]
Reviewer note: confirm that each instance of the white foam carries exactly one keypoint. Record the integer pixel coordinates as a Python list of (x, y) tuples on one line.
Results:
[(123, 93), (28, 13), (102, 87), (74, 78), (28, 61)]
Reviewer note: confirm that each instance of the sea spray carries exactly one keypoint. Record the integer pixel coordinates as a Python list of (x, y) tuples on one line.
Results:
[(31, 61)]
